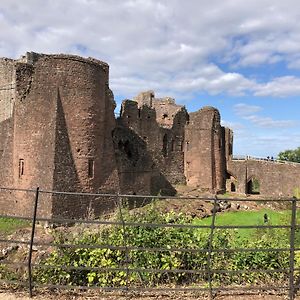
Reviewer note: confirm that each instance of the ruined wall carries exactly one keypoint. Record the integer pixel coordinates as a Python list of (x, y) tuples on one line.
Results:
[(7, 85), (204, 150), (62, 131), (160, 124), (275, 179)]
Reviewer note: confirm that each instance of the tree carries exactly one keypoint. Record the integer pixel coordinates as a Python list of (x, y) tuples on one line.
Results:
[(290, 155)]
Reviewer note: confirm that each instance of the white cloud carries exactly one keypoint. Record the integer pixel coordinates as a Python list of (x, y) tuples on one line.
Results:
[(242, 109), (162, 44), (279, 87), (249, 113), (268, 122)]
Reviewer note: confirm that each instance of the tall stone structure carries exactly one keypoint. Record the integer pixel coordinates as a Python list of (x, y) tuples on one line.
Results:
[(205, 150), (58, 134), (58, 131)]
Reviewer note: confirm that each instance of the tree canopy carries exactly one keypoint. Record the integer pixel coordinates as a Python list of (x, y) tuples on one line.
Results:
[(290, 155)]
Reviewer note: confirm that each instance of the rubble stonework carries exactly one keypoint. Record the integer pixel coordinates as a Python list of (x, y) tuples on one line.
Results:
[(58, 131)]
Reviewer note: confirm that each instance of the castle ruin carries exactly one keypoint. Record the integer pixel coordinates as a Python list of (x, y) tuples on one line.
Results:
[(58, 131)]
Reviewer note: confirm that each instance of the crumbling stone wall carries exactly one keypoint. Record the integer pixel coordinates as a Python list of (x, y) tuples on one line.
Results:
[(7, 85), (58, 131), (160, 123), (205, 150), (275, 179), (63, 119)]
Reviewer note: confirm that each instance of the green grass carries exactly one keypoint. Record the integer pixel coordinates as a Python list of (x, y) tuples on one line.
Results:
[(9, 225), (248, 218)]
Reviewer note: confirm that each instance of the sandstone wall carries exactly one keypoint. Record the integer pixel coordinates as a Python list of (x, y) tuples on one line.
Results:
[(275, 179), (204, 150), (7, 85), (160, 124), (62, 132)]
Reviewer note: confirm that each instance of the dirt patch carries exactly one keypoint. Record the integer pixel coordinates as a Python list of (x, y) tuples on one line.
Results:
[(172, 296)]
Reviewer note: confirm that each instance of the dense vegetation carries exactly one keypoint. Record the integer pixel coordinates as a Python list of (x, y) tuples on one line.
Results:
[(290, 155), (167, 259)]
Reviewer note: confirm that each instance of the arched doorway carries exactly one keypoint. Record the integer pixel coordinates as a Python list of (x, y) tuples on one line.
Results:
[(232, 187), (253, 186)]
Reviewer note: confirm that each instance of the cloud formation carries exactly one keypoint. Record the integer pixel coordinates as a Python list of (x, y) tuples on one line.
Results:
[(164, 45), (250, 113)]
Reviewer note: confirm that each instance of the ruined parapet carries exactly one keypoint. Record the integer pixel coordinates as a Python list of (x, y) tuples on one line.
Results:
[(7, 88), (228, 137), (204, 160), (144, 98), (160, 124)]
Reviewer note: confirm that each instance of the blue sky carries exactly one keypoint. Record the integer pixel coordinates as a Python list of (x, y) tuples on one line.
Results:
[(242, 57)]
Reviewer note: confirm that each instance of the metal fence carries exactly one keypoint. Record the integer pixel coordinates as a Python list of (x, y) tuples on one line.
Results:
[(290, 285), (269, 159)]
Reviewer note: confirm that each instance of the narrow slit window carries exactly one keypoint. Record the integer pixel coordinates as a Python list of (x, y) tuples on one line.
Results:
[(21, 167), (91, 168)]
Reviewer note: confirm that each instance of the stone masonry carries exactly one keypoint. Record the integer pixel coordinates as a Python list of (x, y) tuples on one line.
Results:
[(58, 131)]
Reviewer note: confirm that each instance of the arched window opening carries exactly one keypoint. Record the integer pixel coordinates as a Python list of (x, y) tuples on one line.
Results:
[(253, 186), (232, 187), (165, 145)]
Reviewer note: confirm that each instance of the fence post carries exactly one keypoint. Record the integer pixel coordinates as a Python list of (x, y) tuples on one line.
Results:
[(292, 248), (125, 244), (32, 240), (210, 247)]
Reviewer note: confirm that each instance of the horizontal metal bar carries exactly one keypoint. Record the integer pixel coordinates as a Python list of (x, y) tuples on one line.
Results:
[(124, 288), (149, 196), (18, 282), (165, 289), (119, 223), (17, 190), (12, 263), (16, 242), (157, 249), (16, 217), (159, 225), (141, 270)]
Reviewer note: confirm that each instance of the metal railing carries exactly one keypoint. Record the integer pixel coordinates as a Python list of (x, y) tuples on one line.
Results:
[(209, 285), (269, 159)]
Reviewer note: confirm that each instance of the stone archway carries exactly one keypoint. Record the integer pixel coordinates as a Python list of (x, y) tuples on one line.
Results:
[(253, 186), (231, 183)]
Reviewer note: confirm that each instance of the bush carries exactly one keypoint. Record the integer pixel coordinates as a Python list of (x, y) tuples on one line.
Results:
[(166, 238)]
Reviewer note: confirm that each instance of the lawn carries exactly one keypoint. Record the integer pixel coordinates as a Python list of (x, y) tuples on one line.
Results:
[(9, 225), (249, 218)]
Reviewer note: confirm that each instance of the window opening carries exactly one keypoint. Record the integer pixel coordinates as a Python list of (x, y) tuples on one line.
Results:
[(232, 187), (21, 167), (91, 168), (253, 186), (165, 145)]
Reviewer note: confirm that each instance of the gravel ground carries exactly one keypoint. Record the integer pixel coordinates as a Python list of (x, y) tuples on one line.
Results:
[(173, 296)]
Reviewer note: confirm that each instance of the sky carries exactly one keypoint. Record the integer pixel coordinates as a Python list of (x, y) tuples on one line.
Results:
[(242, 57)]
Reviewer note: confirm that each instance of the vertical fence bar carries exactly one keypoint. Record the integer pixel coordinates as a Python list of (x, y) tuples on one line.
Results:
[(210, 247), (292, 249), (32, 240), (125, 244)]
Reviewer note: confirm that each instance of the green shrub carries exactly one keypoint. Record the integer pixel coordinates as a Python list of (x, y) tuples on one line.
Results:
[(166, 238)]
